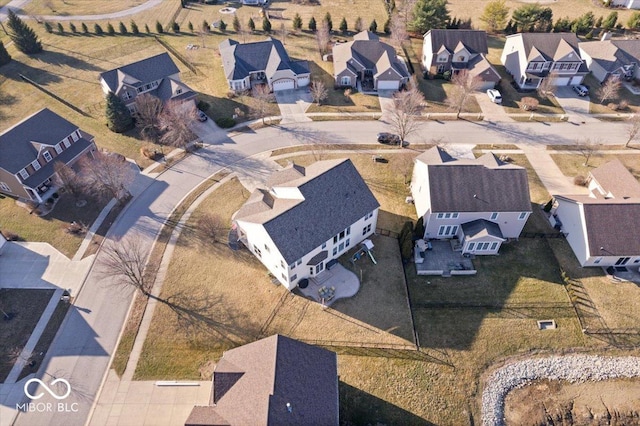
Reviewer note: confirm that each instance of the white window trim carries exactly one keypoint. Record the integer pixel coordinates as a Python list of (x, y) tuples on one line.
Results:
[(494, 216), (345, 79), (471, 246), (23, 174), (36, 165), (5, 187), (58, 147), (522, 216), (47, 156)]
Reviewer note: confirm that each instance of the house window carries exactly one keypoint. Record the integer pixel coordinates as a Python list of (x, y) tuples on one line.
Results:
[(493, 246), (139, 89), (266, 247), (75, 135), (293, 277), (147, 86), (5, 187), (448, 215), (494, 216), (345, 80), (35, 164), (47, 156), (341, 247), (482, 247), (126, 96), (293, 265), (335, 251), (346, 243), (284, 277), (598, 260), (461, 58), (67, 142), (298, 262), (282, 264), (442, 58), (154, 84), (471, 246), (58, 148), (324, 246), (523, 216), (447, 230), (349, 231), (23, 174), (366, 229), (179, 91), (636, 261), (440, 69), (257, 251), (367, 216)]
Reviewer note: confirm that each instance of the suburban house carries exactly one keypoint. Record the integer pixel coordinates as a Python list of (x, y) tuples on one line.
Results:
[(629, 4), (32, 147), (307, 217), (612, 58), (262, 62), (368, 62), (158, 76), (480, 202), (532, 57), (275, 381), (602, 227), (459, 50), (254, 2)]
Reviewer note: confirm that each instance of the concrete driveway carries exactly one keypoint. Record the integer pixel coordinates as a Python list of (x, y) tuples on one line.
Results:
[(490, 111), (577, 107), (386, 101), (293, 105)]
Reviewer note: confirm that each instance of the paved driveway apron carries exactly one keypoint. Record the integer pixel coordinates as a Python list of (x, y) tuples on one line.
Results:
[(293, 104), (575, 106)]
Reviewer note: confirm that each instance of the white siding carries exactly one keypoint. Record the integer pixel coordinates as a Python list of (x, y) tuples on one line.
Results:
[(570, 214), (303, 81), (420, 188), (510, 225), (257, 237)]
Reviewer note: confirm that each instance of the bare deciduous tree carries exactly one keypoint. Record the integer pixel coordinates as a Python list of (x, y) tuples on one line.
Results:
[(633, 129), (283, 33), (586, 148), (106, 175), (464, 86), (318, 91), (609, 91), (177, 120), (65, 177), (148, 117), (323, 37), (405, 112), (211, 227), (262, 100), (124, 262), (547, 87), (399, 32)]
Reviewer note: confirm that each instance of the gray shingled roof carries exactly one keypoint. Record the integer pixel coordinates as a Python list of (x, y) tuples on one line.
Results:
[(274, 371), (480, 228), (16, 143), (475, 41), (484, 184), (613, 54), (335, 197), (368, 52), (550, 44), (613, 226), (238, 60), (615, 178), (145, 71)]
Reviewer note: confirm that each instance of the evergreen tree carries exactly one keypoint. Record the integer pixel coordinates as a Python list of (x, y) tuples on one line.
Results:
[(429, 14), (236, 23), (117, 114), (5, 58), (110, 30), (328, 21), (159, 28), (387, 26), (122, 29), (47, 27), (343, 26), (85, 29), (97, 29), (610, 21), (60, 28), (358, 25), (22, 35), (598, 23), (175, 27), (205, 26), (223, 26), (134, 28), (297, 22), (634, 21), (373, 27), (266, 25), (190, 26), (312, 24), (73, 28), (147, 29), (251, 25)]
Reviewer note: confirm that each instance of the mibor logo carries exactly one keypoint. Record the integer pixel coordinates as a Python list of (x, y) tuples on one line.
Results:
[(47, 388), (48, 407)]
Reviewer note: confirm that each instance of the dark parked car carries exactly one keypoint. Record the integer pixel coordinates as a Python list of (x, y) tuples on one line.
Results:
[(388, 139), (202, 117)]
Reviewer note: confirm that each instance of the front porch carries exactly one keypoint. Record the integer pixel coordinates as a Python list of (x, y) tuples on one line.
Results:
[(440, 257), (331, 285)]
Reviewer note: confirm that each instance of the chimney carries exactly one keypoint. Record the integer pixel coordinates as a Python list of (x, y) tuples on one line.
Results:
[(606, 36)]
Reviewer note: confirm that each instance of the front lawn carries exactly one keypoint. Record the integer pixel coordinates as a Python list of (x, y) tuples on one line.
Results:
[(596, 106), (573, 164)]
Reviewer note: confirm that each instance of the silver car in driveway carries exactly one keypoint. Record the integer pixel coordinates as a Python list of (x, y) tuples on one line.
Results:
[(581, 89)]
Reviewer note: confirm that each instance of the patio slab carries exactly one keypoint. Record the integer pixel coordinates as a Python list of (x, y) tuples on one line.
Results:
[(443, 260), (344, 282)]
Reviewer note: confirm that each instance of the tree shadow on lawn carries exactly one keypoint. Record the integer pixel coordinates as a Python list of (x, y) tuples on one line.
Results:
[(360, 408), (450, 311), (15, 68)]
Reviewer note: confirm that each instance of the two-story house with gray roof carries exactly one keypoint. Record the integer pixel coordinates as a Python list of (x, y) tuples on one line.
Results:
[(602, 227), (262, 62), (29, 150), (307, 217), (368, 62), (276, 381), (482, 202), (158, 76), (532, 57), (612, 58), (459, 50)]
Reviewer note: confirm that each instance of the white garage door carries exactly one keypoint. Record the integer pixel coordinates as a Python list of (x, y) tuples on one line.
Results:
[(577, 80), (303, 81), (562, 81), (283, 84), (388, 85)]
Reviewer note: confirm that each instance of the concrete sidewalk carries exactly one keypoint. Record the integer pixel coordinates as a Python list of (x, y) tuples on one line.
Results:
[(548, 171)]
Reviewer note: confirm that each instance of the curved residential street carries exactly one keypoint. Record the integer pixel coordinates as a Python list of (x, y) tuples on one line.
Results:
[(19, 4), (82, 350)]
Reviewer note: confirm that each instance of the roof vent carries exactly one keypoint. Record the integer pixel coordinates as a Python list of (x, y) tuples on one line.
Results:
[(289, 407)]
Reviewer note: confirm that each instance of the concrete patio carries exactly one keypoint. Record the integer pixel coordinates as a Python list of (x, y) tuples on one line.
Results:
[(344, 282), (442, 260)]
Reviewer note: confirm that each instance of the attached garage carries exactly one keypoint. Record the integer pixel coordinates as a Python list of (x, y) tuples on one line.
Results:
[(577, 80), (486, 85), (388, 84), (303, 81), (562, 81), (283, 84)]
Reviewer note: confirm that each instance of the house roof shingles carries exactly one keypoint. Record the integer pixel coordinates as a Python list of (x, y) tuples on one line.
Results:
[(552, 46), (483, 184), (613, 54), (334, 197), (17, 148), (480, 228), (616, 179), (474, 41), (275, 371), (144, 71)]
